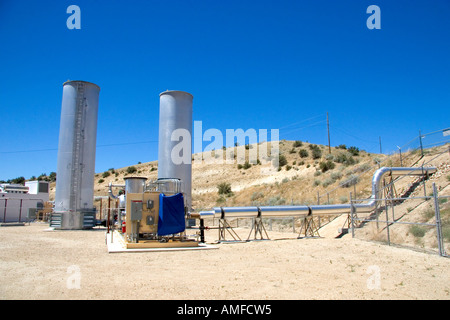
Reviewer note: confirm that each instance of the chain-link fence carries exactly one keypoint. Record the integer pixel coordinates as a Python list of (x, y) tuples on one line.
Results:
[(411, 154), (420, 221)]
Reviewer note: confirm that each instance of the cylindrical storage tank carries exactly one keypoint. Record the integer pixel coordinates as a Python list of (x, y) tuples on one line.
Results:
[(74, 194), (135, 185), (175, 140)]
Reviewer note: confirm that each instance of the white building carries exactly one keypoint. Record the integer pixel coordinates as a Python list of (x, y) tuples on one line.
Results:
[(16, 200)]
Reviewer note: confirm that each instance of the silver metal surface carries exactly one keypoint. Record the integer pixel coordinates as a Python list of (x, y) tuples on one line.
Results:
[(110, 191), (175, 153), (76, 152), (135, 184), (236, 212), (281, 211)]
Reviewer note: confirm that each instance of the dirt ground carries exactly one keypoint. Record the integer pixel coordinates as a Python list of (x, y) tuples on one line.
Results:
[(39, 264)]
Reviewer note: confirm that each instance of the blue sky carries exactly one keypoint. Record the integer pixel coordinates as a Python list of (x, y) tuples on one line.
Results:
[(249, 64)]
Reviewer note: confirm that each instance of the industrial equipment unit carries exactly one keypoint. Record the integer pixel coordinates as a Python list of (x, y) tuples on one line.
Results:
[(155, 215)]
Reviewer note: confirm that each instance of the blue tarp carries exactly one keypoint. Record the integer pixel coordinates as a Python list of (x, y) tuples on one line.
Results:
[(171, 214)]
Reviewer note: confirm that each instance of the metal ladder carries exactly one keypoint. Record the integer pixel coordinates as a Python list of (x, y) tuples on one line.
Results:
[(77, 150)]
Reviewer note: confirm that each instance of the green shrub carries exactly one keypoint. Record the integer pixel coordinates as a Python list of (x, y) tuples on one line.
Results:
[(297, 143), (224, 188), (246, 165), (106, 174), (303, 153), (326, 165), (417, 231), (350, 181), (101, 181), (131, 169), (316, 153), (327, 182), (220, 200), (282, 160), (353, 150), (336, 176)]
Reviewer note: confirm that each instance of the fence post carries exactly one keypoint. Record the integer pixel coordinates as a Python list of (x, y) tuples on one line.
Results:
[(352, 213), (438, 221), (387, 221)]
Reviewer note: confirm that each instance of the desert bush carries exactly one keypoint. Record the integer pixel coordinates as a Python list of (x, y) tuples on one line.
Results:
[(297, 143), (353, 150), (336, 176), (343, 199), (326, 165), (351, 181), (277, 200), (316, 153), (131, 169), (282, 160), (417, 231), (327, 182), (106, 174), (224, 188), (303, 153), (220, 200), (256, 196)]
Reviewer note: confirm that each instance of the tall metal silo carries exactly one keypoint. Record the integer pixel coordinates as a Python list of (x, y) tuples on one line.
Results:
[(175, 139), (74, 196)]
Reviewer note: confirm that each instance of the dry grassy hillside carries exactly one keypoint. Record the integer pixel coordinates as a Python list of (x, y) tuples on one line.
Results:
[(309, 174), (306, 174), (299, 180)]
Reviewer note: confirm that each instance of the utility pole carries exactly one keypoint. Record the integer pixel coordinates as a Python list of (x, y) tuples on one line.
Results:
[(381, 151), (328, 126)]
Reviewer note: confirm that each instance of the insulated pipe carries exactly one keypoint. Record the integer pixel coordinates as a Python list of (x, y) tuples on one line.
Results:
[(110, 192), (280, 211), (273, 211)]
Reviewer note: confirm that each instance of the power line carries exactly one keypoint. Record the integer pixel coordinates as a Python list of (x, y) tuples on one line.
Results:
[(99, 146)]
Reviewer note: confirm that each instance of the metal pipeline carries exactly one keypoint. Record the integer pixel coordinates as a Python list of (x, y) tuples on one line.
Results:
[(110, 192), (289, 211)]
